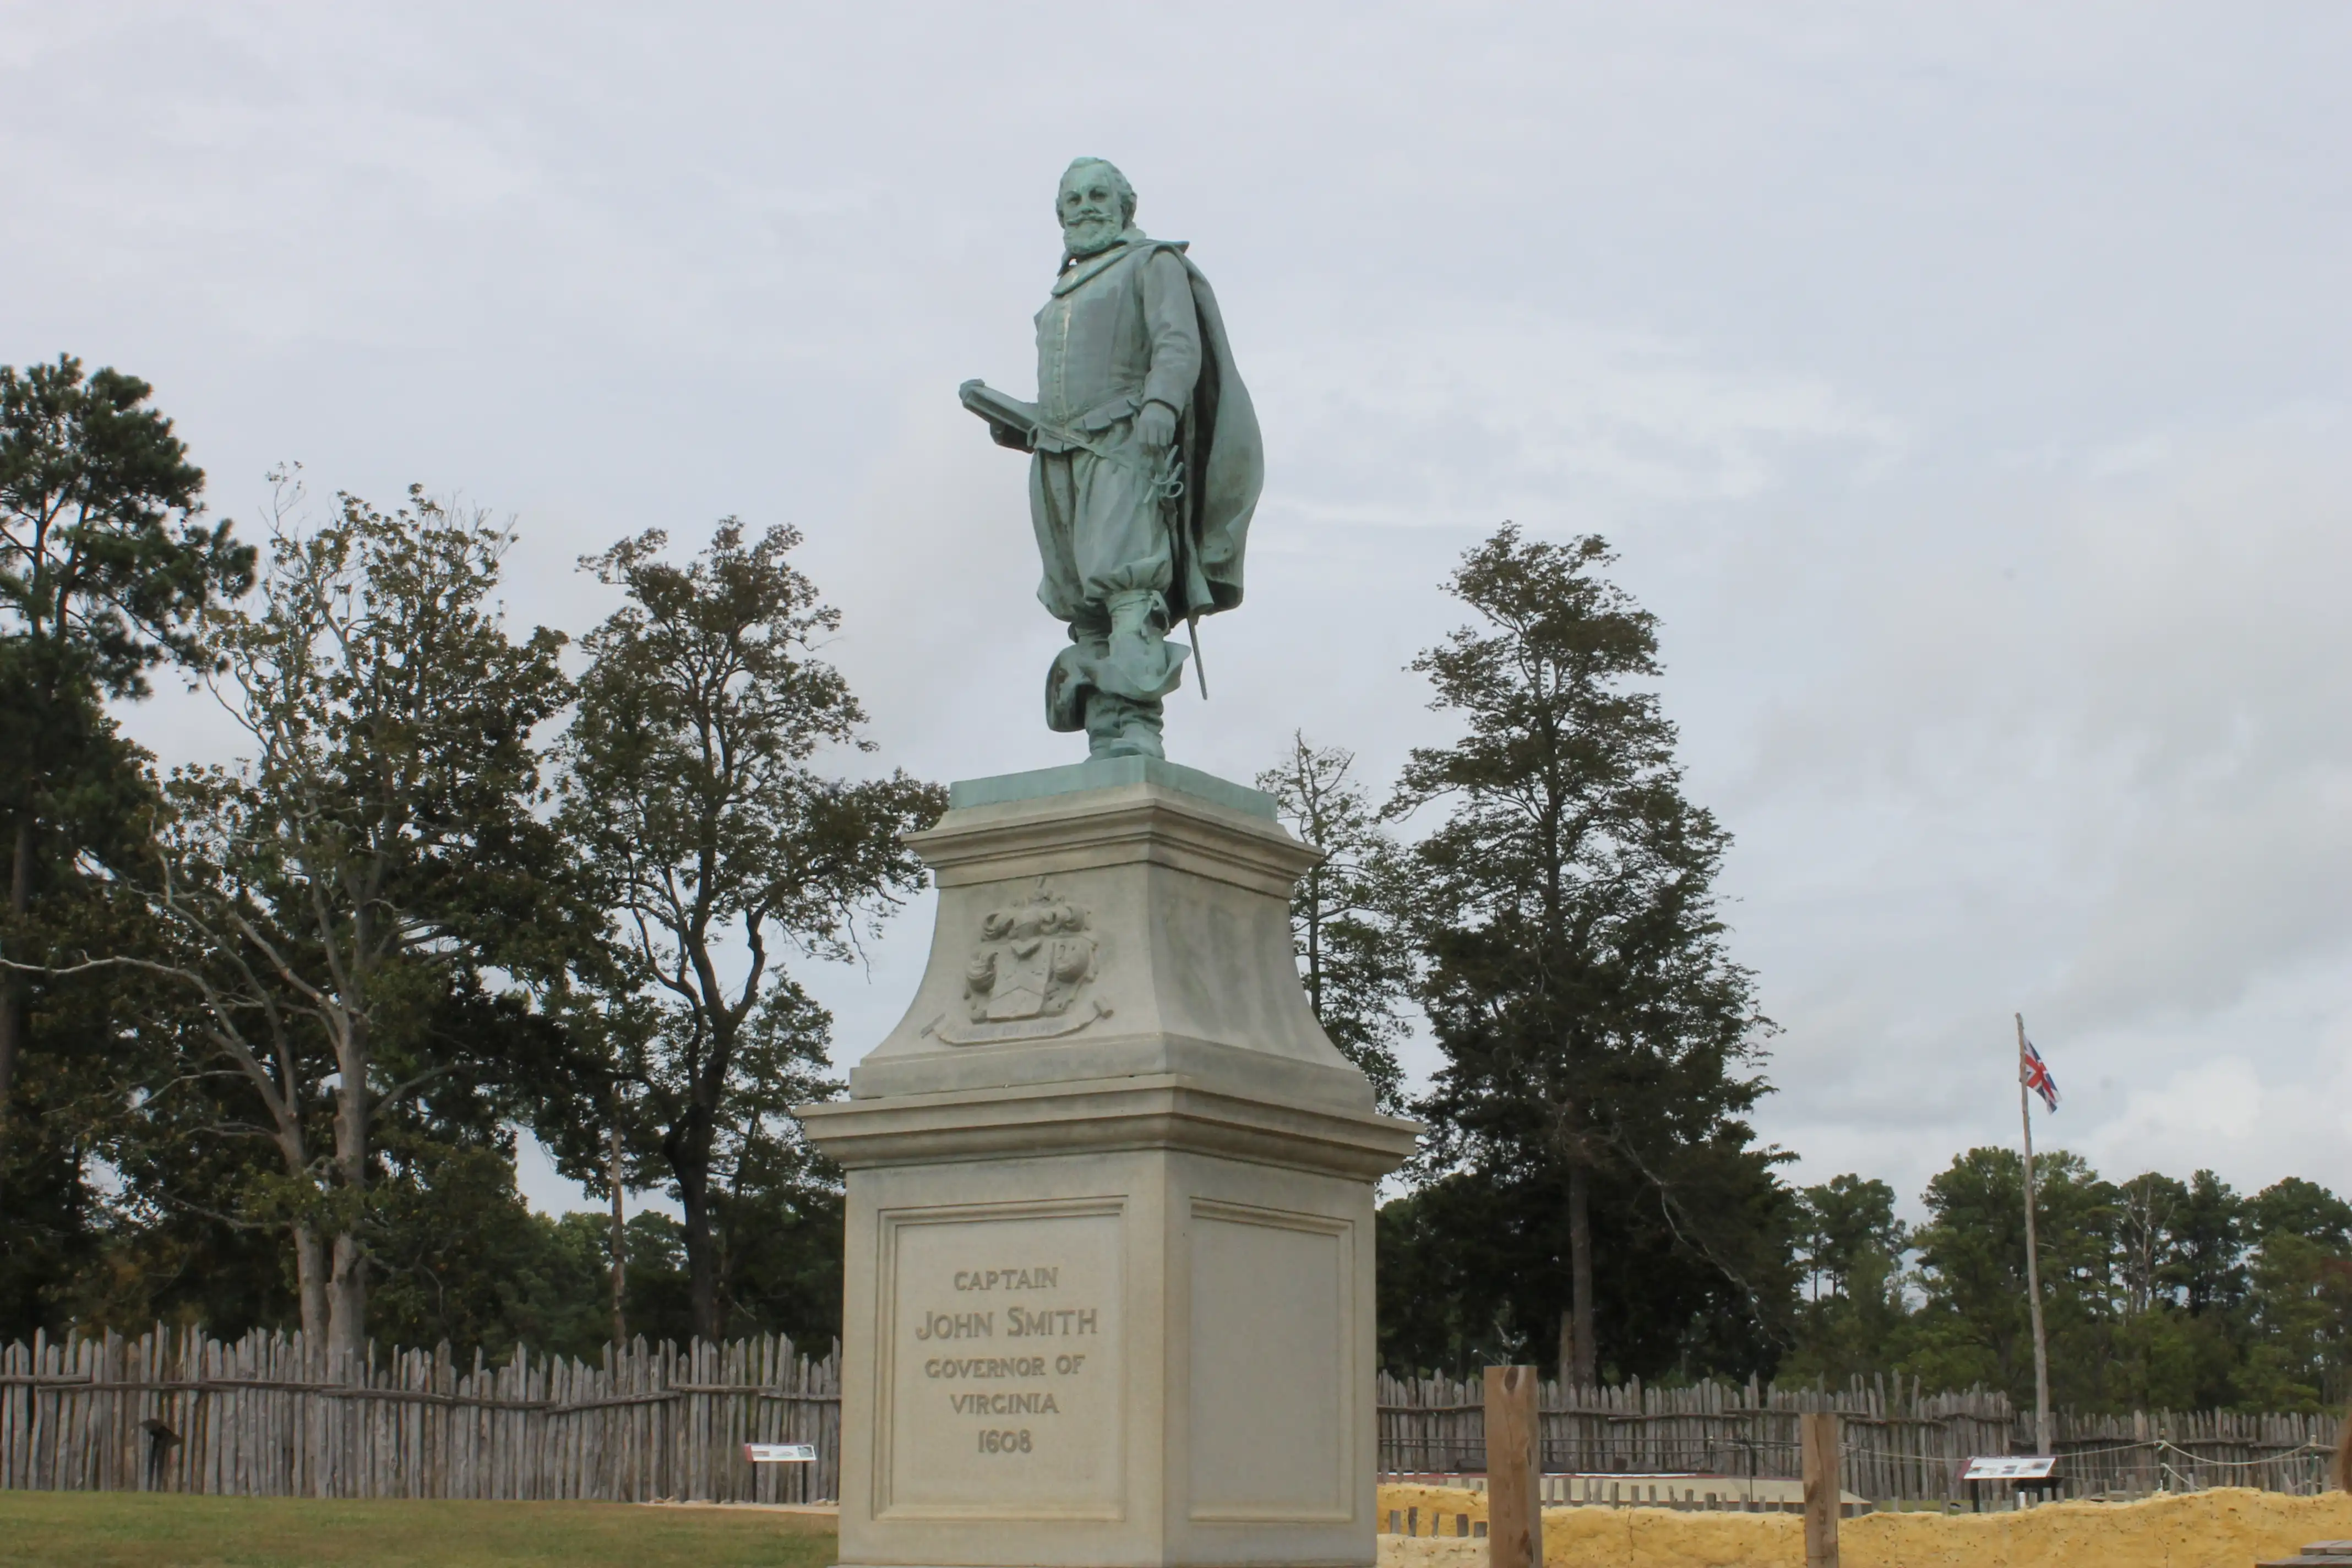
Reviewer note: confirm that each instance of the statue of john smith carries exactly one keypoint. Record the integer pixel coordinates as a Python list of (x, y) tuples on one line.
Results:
[(1147, 464)]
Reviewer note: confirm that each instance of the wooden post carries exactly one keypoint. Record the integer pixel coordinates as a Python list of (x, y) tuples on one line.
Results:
[(1514, 1469), (1822, 1492)]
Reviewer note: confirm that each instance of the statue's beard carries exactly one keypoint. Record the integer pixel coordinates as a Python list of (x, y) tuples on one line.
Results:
[(1088, 234)]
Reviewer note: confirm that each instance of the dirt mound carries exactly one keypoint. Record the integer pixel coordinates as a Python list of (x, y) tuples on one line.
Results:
[(2229, 1527)]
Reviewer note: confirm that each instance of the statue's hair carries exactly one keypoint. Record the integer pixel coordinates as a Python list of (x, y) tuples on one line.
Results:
[(1118, 180)]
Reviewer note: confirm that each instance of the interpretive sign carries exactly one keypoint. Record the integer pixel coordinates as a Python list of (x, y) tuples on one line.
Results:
[(1002, 1373), (2011, 1467), (780, 1453)]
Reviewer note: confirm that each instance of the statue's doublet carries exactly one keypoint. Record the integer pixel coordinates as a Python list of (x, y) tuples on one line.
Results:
[(1119, 331), (1133, 324)]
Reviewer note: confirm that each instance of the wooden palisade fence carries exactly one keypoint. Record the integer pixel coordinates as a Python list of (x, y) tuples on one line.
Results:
[(262, 1417), (1898, 1443)]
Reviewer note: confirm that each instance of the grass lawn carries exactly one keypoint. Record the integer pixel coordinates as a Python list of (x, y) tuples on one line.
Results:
[(118, 1530)]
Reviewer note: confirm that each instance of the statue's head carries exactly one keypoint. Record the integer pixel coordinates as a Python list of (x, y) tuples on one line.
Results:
[(1094, 204)]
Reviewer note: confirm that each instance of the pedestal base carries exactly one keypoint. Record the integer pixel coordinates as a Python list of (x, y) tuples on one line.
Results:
[(1110, 1286)]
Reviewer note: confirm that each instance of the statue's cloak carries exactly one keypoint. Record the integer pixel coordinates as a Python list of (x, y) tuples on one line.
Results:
[(1224, 457)]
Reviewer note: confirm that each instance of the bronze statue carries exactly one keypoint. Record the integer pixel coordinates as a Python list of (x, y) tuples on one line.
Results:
[(1147, 463)]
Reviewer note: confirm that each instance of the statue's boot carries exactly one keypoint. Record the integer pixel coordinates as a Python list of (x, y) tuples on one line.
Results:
[(1074, 677), (1119, 727), (1141, 666), (1110, 679)]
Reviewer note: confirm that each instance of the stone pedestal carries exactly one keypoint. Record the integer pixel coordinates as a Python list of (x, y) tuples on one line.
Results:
[(1109, 1294)]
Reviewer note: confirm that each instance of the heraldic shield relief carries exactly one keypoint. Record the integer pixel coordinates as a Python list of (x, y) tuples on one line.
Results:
[(1026, 976)]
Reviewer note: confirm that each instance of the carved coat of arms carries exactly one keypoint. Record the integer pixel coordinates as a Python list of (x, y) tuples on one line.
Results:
[(1027, 975)]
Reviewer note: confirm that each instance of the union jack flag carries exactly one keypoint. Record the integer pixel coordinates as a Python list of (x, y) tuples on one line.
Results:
[(2036, 1073)]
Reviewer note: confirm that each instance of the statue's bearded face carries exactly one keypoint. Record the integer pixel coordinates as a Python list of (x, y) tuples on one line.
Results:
[(1091, 209)]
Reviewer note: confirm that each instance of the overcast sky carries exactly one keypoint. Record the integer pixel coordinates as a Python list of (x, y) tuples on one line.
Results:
[(1968, 389)]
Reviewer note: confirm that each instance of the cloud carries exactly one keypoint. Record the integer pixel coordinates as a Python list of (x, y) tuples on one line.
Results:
[(1453, 405), (2084, 766), (1967, 397)]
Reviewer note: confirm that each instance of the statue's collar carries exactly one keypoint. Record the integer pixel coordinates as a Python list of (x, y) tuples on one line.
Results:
[(1076, 269)]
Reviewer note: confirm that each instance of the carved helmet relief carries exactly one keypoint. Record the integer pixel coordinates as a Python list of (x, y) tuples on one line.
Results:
[(1028, 973)]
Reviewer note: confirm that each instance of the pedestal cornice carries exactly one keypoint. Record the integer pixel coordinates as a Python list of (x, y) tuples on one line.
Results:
[(1141, 823), (1168, 1111)]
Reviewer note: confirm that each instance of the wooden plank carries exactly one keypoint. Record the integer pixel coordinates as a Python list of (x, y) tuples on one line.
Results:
[(1819, 1440), (1514, 1469)]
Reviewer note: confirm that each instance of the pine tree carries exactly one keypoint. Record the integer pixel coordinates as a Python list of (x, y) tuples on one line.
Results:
[(1598, 1038), (105, 573)]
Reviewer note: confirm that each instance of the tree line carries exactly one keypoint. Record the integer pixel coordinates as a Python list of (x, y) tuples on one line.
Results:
[(2159, 1293), (268, 1030)]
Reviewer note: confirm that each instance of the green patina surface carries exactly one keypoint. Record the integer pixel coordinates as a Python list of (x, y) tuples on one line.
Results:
[(1108, 773), (1146, 464)]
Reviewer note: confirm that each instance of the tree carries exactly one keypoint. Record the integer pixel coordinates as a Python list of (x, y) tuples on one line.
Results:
[(335, 905), (1355, 956), (615, 1027), (2298, 1303), (2305, 1209), (2299, 1315), (2148, 1209), (693, 793), (2208, 1264), (105, 573), (1850, 1247), (1844, 1226), (1473, 1264), (69, 1099), (1575, 972), (1972, 1326), (459, 1257)]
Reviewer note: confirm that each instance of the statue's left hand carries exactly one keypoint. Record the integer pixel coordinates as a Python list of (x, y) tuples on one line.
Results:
[(1155, 426)]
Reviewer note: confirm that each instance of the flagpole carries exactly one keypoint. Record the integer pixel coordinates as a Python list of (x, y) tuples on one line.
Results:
[(2032, 1261)]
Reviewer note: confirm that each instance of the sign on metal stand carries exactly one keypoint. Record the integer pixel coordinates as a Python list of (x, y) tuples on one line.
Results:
[(780, 1453), (2006, 1468)]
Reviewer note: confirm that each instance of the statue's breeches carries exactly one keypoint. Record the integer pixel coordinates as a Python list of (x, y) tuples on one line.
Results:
[(1101, 530)]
